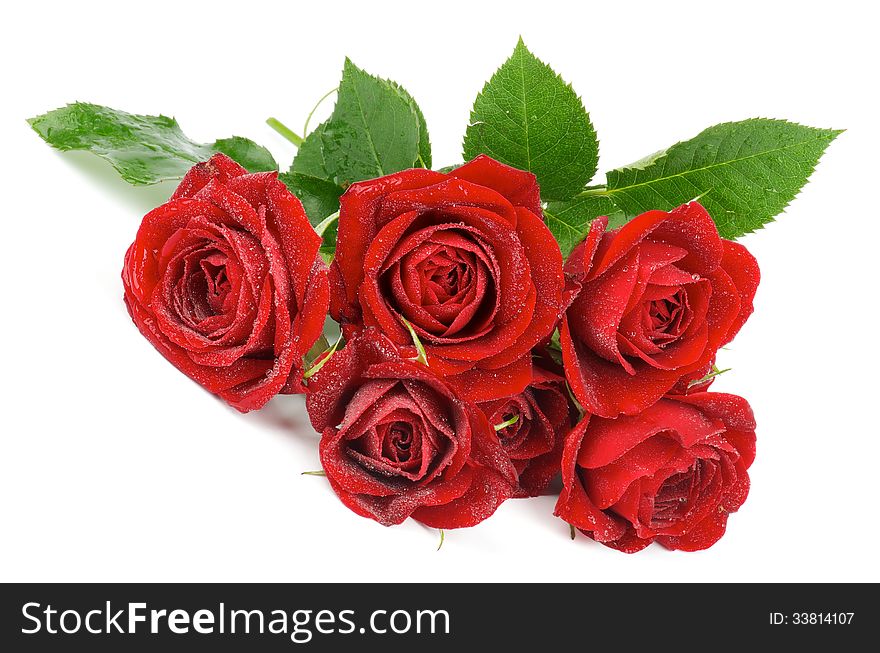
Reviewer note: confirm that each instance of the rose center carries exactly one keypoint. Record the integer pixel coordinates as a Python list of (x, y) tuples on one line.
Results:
[(397, 442), (447, 278), (664, 319), (675, 498), (445, 286), (217, 285)]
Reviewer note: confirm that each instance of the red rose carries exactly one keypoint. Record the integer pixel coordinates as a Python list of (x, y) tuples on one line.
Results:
[(464, 257), (225, 281), (537, 421), (672, 473), (655, 299), (397, 442)]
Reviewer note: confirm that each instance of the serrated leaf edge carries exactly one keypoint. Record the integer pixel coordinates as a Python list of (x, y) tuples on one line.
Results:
[(520, 49)]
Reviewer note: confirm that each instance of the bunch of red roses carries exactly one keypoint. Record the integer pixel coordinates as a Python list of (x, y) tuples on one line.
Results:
[(495, 336), (477, 365)]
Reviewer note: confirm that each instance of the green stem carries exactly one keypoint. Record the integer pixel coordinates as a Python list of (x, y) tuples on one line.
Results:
[(285, 131)]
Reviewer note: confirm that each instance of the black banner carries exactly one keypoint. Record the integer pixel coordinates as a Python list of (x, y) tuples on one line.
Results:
[(423, 617)]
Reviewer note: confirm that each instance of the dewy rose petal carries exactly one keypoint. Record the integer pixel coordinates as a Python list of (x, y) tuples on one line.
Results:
[(226, 282), (671, 474), (464, 257), (654, 301), (396, 441)]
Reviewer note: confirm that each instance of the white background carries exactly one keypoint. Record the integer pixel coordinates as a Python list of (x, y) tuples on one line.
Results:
[(114, 466)]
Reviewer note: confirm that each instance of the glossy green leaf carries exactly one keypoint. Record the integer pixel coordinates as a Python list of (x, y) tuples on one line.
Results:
[(143, 149), (309, 180), (376, 129), (744, 173), (424, 159), (319, 197), (309, 159), (526, 116)]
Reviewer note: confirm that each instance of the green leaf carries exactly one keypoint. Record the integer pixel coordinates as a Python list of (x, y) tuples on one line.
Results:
[(143, 149), (309, 180), (424, 159), (319, 197), (526, 116), (328, 223), (744, 172), (375, 129), (570, 221), (309, 159), (253, 157)]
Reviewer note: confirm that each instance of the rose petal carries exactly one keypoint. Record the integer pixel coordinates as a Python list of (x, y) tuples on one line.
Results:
[(545, 264), (487, 491), (478, 384), (446, 195), (616, 244), (219, 167), (594, 317), (518, 186), (745, 274), (691, 228), (701, 536), (606, 389), (580, 261), (573, 505)]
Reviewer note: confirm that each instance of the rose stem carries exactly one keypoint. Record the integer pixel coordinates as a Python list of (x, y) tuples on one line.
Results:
[(285, 131)]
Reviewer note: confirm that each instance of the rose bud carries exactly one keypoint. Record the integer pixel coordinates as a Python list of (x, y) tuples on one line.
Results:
[(226, 282), (532, 426), (672, 474), (655, 299), (398, 442), (464, 258)]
